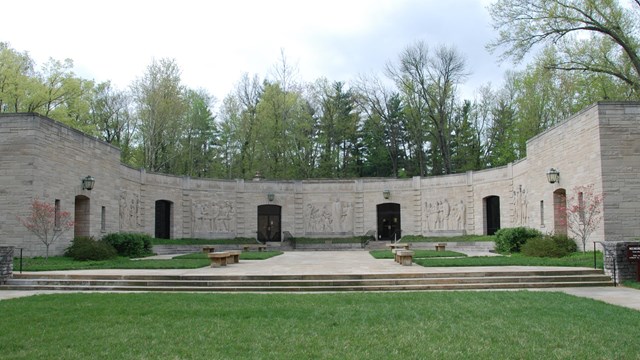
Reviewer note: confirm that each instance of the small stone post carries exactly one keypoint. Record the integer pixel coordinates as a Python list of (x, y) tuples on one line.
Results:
[(6, 263)]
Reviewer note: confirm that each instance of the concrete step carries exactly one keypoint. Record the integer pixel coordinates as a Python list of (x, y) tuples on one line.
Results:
[(312, 283)]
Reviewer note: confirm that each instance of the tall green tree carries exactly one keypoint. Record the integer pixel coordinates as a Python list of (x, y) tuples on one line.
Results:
[(429, 84), (198, 156), (17, 79), (160, 104), (111, 115), (384, 126), (338, 133), (596, 36)]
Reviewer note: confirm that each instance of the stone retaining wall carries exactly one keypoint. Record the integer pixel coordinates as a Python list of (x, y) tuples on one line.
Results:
[(6, 263), (616, 263)]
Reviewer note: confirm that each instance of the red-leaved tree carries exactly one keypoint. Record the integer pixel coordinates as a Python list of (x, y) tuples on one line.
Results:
[(584, 212), (47, 222)]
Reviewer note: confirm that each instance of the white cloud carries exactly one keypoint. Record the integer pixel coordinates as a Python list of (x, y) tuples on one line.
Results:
[(215, 42)]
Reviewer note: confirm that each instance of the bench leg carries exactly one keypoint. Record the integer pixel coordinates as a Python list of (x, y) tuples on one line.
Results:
[(218, 262)]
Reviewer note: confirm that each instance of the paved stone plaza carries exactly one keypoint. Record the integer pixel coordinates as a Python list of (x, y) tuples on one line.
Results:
[(345, 262)]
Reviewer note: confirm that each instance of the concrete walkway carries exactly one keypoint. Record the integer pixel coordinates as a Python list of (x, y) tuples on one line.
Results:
[(346, 262)]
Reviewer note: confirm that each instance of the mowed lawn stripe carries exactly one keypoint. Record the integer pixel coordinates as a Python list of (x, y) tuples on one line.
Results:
[(442, 325)]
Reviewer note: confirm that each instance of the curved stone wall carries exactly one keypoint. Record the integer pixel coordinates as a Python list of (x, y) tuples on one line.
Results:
[(45, 159)]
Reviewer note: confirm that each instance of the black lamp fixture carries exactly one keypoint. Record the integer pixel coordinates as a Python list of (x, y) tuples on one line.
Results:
[(88, 182), (271, 196), (386, 193), (553, 176)]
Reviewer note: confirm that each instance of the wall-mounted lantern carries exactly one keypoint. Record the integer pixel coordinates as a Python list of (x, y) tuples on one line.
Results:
[(553, 176), (271, 196), (386, 193), (88, 182)]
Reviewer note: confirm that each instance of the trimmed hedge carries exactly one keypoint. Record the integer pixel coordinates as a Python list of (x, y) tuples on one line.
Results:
[(509, 240), (555, 246), (87, 248), (130, 244)]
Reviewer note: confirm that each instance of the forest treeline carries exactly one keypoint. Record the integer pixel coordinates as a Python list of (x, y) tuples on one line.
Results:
[(408, 119)]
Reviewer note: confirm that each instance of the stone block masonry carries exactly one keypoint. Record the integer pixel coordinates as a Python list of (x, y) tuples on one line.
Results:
[(6, 263), (616, 263)]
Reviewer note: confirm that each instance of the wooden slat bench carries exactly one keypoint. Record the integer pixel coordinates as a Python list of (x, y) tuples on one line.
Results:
[(441, 246)]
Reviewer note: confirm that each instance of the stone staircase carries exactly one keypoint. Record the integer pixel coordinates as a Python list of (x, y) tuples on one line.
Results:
[(454, 280)]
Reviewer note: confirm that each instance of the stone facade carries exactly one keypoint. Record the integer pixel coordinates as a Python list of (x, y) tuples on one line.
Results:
[(45, 159), (6, 263), (616, 263)]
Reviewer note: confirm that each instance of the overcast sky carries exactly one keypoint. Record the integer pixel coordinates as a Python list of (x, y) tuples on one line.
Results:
[(215, 42)]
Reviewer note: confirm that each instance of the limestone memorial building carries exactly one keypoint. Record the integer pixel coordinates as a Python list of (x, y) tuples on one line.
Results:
[(42, 158)]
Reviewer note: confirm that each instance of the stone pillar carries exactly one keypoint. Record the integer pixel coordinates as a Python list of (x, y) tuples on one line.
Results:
[(616, 263), (6, 263)]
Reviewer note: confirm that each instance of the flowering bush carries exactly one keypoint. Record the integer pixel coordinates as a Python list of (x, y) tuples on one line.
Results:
[(584, 212), (47, 222)]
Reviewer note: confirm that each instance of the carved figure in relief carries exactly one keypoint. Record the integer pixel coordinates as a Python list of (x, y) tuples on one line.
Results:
[(129, 211), (346, 217), (441, 215), (213, 216), (336, 216), (313, 217), (460, 214), (520, 203)]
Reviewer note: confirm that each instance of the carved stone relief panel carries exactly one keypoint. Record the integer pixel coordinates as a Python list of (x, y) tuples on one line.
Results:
[(129, 211), (443, 215), (520, 204), (213, 216), (329, 217)]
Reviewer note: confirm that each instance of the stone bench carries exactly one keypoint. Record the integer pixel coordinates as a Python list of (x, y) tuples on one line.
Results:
[(234, 256), (396, 246), (404, 257), (441, 246), (208, 249), (220, 258), (258, 247)]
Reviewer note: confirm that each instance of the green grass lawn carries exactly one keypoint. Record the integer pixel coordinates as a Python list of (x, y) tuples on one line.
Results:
[(190, 261), (580, 259), (459, 238), (193, 241), (632, 284), (421, 325), (417, 254)]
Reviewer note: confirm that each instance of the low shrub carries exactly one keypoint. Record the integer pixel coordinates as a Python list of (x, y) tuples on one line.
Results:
[(555, 246), (130, 244), (509, 240), (87, 248)]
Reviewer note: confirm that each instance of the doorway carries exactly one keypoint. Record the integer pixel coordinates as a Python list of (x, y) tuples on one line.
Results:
[(492, 212), (269, 217), (163, 219), (82, 208), (560, 211), (389, 224)]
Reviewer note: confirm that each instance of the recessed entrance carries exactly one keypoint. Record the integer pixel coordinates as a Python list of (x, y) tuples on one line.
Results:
[(269, 223), (492, 214), (82, 218), (389, 221), (163, 219), (560, 211)]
